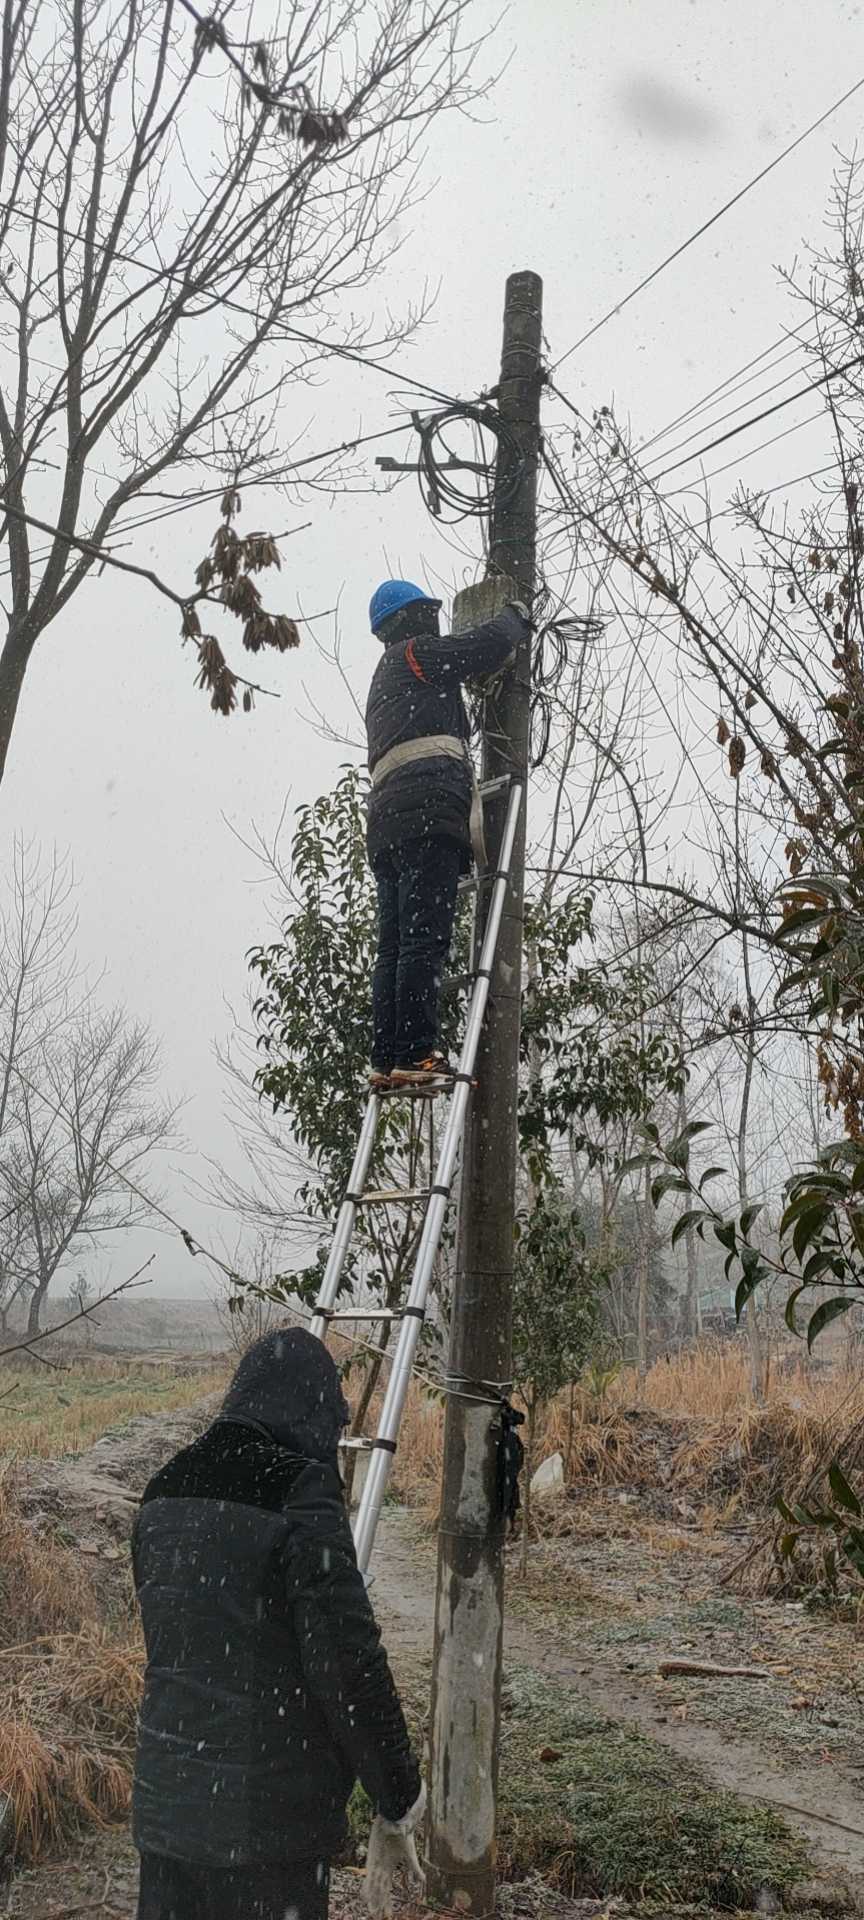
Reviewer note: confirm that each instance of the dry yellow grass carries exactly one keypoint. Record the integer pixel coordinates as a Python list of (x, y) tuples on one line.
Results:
[(695, 1429), (69, 1684), (44, 1589), (52, 1414), (93, 1684), (712, 1381), (419, 1462), (69, 1691), (55, 1786)]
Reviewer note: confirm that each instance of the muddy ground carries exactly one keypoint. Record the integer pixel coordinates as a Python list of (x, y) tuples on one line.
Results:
[(603, 1607)]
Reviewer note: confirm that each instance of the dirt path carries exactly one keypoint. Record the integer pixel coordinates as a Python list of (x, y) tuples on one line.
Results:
[(599, 1614), (821, 1803)]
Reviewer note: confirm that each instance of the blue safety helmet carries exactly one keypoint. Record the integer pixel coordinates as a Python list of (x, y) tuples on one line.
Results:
[(391, 597)]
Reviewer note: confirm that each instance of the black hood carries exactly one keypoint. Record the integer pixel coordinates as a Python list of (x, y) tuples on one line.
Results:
[(288, 1384), (419, 620)]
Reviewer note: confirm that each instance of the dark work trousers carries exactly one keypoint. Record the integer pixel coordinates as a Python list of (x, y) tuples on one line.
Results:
[(416, 909), (177, 1890)]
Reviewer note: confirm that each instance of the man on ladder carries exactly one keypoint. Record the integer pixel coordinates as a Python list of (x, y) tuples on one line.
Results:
[(425, 813)]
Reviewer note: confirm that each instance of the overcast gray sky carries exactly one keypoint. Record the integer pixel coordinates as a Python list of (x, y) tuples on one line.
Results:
[(617, 127)]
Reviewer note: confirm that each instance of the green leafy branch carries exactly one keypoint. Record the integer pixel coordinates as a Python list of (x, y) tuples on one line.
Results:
[(840, 1521), (821, 1231)]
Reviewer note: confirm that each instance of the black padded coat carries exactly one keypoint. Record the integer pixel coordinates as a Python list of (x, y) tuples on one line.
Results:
[(416, 691), (267, 1690)]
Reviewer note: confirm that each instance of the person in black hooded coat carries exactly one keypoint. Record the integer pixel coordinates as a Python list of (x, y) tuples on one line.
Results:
[(267, 1691)]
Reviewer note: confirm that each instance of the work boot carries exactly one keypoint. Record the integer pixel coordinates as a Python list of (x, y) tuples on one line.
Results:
[(379, 1079), (423, 1073)]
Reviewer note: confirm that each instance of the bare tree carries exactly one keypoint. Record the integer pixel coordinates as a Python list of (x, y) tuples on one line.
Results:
[(80, 1300), (749, 626), (180, 215), (82, 1122), (39, 989), (246, 1315)]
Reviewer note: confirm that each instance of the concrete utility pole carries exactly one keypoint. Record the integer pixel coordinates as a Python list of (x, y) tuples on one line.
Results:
[(470, 1596)]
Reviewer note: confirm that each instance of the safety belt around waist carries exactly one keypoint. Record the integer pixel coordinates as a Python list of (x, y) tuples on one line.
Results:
[(438, 746)]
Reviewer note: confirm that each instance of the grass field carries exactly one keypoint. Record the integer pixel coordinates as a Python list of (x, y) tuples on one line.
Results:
[(48, 1413)]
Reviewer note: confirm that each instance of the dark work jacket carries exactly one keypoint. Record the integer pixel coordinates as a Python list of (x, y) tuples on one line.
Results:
[(267, 1690), (415, 691)]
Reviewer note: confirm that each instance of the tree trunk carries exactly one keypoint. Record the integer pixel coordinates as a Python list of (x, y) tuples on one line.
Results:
[(34, 1311), (754, 1330), (692, 1315), (571, 1428), (535, 1062), (694, 1309), (14, 661), (617, 1313), (530, 1433), (752, 1322), (644, 1275)]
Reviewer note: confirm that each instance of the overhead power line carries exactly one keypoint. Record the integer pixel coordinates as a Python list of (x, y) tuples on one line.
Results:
[(337, 350), (711, 426), (710, 222), (834, 373), (159, 272), (798, 479), (749, 455), (291, 467), (733, 381), (107, 555), (563, 486)]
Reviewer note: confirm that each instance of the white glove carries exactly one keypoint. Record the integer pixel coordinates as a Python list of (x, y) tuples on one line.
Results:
[(392, 1845), (520, 608)]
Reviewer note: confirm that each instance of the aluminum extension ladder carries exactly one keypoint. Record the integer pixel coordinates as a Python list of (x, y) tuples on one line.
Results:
[(412, 1314)]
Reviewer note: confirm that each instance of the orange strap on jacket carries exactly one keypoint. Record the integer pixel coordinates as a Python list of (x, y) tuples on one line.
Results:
[(414, 663)]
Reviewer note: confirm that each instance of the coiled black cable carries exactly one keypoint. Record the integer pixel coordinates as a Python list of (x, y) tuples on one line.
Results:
[(497, 475)]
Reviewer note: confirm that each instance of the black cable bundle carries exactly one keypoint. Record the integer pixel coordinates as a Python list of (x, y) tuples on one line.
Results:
[(436, 462)]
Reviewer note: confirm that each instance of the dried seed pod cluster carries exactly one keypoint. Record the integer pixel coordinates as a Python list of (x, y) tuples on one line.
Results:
[(225, 577)]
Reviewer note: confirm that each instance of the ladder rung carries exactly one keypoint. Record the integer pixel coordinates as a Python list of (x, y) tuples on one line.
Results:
[(388, 1196), (416, 1090), (335, 1314), (500, 785), (467, 883), (356, 1446)]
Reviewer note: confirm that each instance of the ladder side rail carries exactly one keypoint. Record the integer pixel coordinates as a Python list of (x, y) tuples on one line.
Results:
[(381, 1460), (346, 1218)]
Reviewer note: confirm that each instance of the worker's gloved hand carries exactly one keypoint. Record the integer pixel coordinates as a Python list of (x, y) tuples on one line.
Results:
[(519, 607), (392, 1845)]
